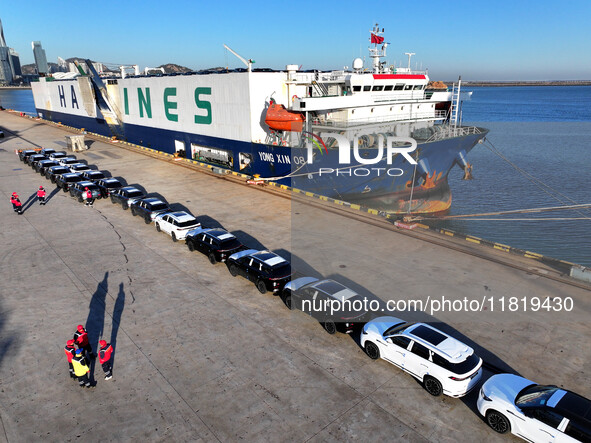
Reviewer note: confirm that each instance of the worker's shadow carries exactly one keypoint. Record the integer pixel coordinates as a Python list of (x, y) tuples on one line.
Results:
[(95, 322), (50, 196), (117, 311), (30, 201)]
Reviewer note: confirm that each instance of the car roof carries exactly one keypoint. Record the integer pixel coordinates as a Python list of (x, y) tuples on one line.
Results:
[(85, 183), (181, 216), (269, 258), (110, 180), (71, 174), (152, 200), (453, 349), (130, 188), (334, 289)]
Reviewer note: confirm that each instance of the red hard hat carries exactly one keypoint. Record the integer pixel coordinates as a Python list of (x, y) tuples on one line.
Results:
[(40, 187), (102, 343), (70, 342), (86, 189), (80, 328)]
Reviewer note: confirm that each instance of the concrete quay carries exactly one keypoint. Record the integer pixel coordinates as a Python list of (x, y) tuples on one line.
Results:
[(202, 356)]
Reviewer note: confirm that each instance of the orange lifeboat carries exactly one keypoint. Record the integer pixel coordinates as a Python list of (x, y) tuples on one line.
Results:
[(280, 119)]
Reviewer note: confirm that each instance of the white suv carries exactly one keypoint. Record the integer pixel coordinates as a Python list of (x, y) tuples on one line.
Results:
[(442, 363), (176, 224), (534, 412)]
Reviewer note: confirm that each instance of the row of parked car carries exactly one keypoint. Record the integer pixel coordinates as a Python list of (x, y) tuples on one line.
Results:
[(443, 364)]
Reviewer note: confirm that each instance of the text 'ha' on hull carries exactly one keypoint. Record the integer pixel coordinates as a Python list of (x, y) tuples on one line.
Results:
[(384, 139)]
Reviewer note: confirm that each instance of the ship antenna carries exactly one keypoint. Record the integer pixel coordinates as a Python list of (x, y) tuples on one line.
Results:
[(248, 62), (374, 52), (410, 54)]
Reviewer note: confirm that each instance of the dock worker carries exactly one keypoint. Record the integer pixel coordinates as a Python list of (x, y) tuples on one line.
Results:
[(81, 369), (70, 351), (41, 195), (81, 339), (105, 358), (16, 203), (88, 197)]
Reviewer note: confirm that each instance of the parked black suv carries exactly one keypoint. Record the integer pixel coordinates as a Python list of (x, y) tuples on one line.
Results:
[(64, 181), (267, 270), (107, 185), (54, 171), (334, 305), (78, 189), (126, 196), (217, 244), (148, 208), (42, 165)]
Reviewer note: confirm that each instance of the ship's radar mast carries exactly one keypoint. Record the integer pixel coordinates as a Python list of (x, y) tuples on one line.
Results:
[(376, 52), (410, 54)]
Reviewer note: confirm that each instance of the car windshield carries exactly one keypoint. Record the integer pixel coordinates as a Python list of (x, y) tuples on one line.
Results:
[(463, 367), (186, 224), (230, 244), (397, 328), (112, 185), (159, 206), (281, 271), (536, 395)]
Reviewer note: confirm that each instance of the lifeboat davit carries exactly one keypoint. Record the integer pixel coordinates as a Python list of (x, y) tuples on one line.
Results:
[(280, 119)]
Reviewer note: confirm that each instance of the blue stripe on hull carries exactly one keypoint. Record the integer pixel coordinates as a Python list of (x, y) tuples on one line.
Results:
[(382, 191)]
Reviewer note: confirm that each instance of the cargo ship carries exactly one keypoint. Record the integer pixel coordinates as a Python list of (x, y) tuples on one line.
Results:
[(377, 136)]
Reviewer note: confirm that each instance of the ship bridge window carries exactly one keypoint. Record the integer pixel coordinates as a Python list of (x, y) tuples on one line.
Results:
[(418, 87), (388, 87), (408, 87), (356, 88), (399, 87), (367, 88), (378, 88)]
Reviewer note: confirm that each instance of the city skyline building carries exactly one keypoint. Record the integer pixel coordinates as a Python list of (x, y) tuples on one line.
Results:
[(40, 58), (6, 66)]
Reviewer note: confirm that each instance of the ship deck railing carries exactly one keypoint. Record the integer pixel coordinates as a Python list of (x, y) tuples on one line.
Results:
[(453, 131), (349, 122)]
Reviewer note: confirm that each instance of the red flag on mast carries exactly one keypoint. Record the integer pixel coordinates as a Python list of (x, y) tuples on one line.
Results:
[(376, 39)]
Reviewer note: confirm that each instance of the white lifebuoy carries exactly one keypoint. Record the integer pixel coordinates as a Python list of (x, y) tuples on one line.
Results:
[(293, 97)]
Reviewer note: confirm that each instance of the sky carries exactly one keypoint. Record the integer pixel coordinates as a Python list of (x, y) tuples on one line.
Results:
[(498, 40)]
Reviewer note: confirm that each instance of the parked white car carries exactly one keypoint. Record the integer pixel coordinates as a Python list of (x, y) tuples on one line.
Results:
[(534, 412), (442, 363), (176, 224)]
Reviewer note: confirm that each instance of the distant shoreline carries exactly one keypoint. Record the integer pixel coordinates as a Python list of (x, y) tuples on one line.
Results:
[(464, 83), (527, 83)]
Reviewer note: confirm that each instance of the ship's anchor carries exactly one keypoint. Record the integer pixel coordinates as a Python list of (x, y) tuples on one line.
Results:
[(468, 172), (467, 167)]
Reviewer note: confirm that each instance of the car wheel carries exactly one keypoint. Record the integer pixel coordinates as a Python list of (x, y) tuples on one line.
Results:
[(287, 300), (372, 350), (147, 220), (261, 287), (173, 235), (133, 211), (191, 245), (157, 227), (65, 189), (80, 199), (329, 326), (233, 270), (125, 206), (432, 386), (497, 421), (113, 200), (212, 259)]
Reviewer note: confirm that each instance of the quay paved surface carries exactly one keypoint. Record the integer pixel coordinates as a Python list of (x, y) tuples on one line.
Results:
[(203, 356)]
